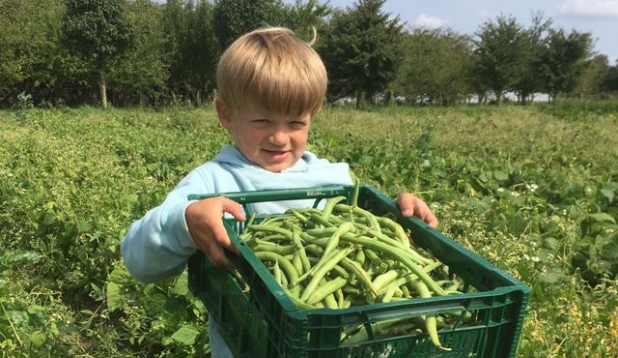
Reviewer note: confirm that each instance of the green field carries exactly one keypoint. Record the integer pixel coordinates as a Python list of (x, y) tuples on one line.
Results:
[(532, 189)]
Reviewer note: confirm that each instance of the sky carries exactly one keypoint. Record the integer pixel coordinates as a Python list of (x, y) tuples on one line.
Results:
[(598, 17)]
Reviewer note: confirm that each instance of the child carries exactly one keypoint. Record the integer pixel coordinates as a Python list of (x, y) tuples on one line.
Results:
[(270, 85)]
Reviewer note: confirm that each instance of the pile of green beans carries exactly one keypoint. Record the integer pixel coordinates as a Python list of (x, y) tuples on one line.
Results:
[(343, 255)]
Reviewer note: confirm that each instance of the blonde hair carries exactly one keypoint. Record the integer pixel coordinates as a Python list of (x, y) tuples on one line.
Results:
[(273, 70)]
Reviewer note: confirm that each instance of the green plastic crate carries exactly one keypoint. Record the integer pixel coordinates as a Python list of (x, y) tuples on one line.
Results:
[(266, 324)]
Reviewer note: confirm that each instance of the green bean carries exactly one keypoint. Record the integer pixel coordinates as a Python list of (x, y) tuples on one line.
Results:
[(285, 265), (362, 331), (330, 204), (314, 250), (432, 266), (278, 249), (298, 265), (334, 242), (405, 291), (322, 270), (321, 232), (306, 266), (352, 291), (325, 290), (387, 240), (340, 298), (402, 281), (271, 228), (361, 212), (338, 269), (373, 257), (390, 292), (300, 216), (330, 302), (396, 254), (320, 221), (360, 273), (277, 273), (384, 279), (360, 257), (395, 228), (244, 232), (319, 241), (300, 304), (431, 322)]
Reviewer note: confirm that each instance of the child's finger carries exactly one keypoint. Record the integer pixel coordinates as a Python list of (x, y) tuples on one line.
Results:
[(219, 234), (411, 205), (215, 254), (231, 207)]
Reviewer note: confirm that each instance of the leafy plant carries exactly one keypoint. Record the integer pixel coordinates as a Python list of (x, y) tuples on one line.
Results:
[(23, 105)]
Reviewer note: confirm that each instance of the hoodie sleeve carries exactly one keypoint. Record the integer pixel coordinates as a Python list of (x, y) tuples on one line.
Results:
[(158, 245)]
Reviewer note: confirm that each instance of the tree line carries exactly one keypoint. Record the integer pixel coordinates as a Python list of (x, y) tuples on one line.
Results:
[(142, 52)]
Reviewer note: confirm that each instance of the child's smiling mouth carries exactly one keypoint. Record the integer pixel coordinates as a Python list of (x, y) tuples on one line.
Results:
[(277, 155), (276, 152)]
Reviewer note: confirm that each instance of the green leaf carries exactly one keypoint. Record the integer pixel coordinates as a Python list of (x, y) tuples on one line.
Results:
[(181, 286), (155, 303), (114, 297), (603, 218), (552, 278), (49, 218), (132, 198), (38, 338), (366, 160), (83, 226), (186, 335), (500, 176), (551, 243), (119, 274), (609, 194), (609, 252), (18, 257)]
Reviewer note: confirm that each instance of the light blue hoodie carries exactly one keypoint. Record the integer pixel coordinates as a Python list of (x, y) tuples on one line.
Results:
[(158, 245)]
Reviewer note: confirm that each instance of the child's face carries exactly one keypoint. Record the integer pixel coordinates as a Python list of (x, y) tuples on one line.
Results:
[(273, 142)]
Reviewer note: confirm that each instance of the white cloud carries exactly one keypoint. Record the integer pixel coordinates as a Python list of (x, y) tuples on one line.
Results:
[(485, 14), (589, 8), (427, 21)]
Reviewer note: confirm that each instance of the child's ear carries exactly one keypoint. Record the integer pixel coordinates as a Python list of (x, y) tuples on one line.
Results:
[(223, 114)]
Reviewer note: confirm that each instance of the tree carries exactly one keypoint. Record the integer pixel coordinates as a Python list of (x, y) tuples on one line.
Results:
[(96, 31), (362, 50), (191, 47), (25, 43), (434, 65), (140, 75), (530, 80), (233, 18), (303, 17), (592, 76), (610, 82), (502, 54), (563, 60)]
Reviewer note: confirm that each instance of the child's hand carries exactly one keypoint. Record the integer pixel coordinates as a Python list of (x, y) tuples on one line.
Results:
[(411, 205), (207, 230)]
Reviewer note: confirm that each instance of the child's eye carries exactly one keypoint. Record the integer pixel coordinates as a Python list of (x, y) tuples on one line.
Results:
[(298, 124)]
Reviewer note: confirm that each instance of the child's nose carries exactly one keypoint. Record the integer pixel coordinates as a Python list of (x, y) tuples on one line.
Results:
[(279, 137)]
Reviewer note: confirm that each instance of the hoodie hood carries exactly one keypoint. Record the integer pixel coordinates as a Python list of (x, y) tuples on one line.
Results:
[(309, 172)]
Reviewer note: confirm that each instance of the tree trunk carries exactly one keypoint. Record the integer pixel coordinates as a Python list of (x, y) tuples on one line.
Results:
[(359, 99), (524, 99), (103, 88)]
